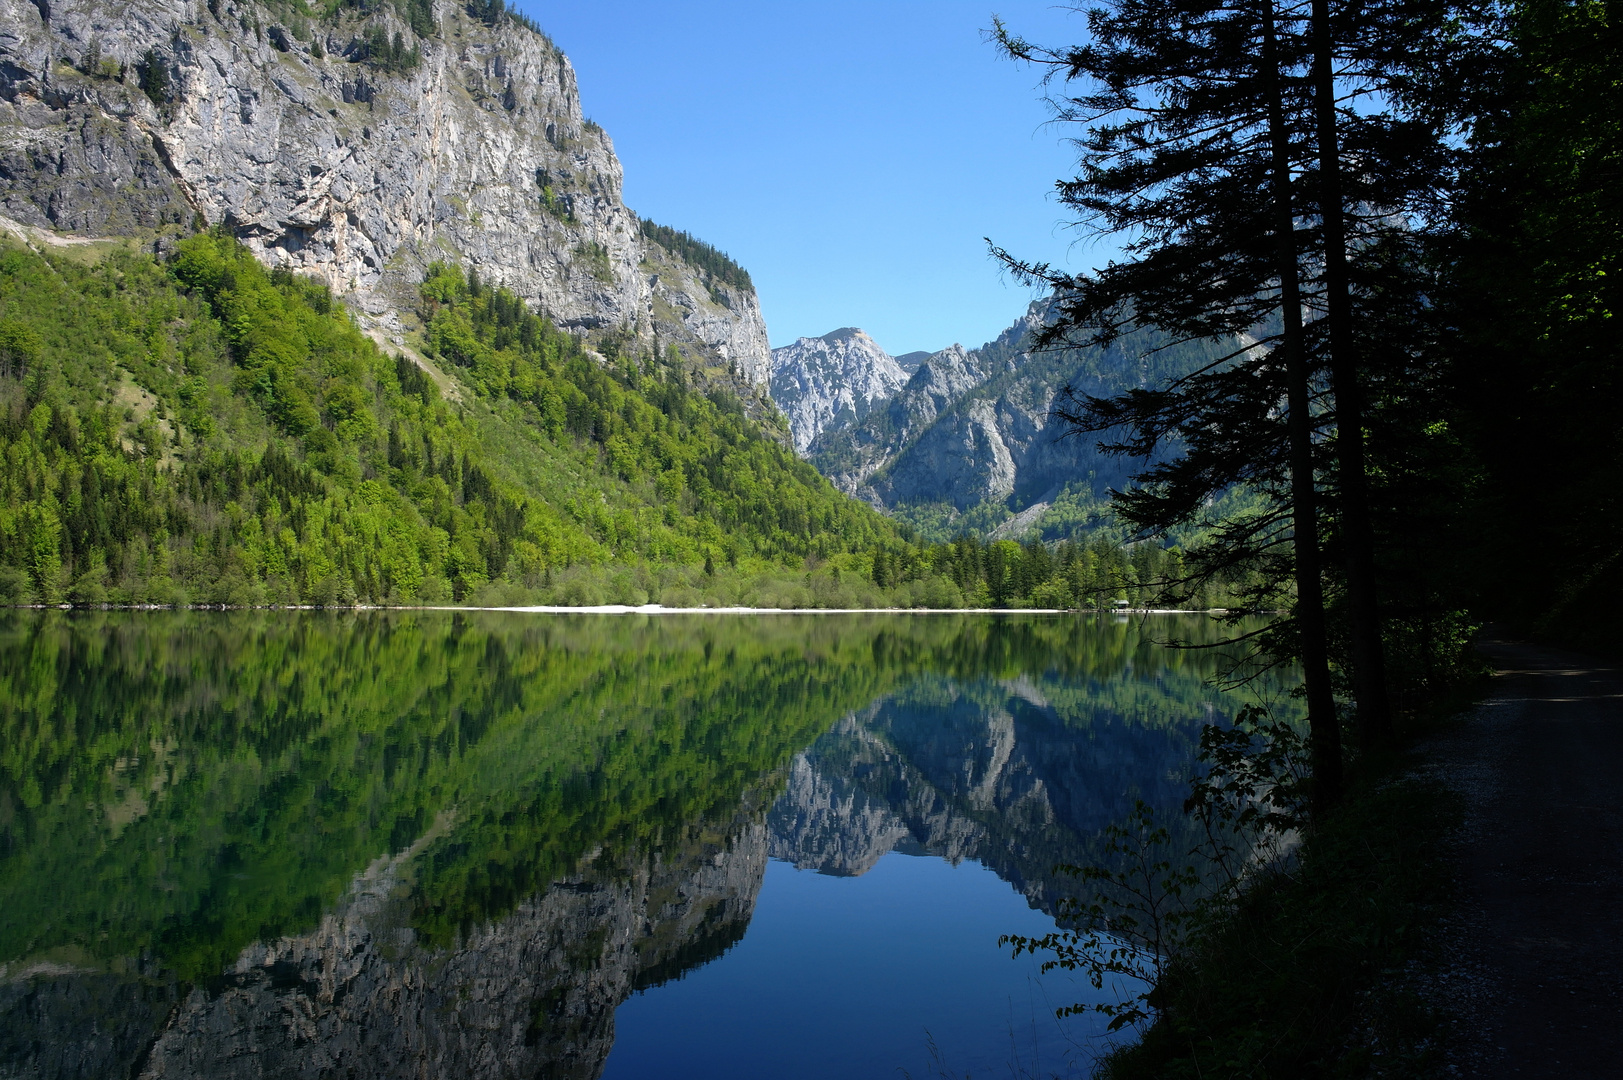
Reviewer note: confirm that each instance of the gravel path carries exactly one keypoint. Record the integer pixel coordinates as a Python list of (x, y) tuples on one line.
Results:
[(1535, 962)]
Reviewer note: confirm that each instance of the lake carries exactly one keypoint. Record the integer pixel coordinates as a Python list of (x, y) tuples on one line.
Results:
[(484, 844)]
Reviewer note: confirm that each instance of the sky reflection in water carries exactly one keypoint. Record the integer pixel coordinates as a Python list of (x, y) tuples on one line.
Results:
[(454, 844), (852, 977)]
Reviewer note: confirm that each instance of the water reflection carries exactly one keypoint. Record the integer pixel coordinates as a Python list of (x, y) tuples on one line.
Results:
[(249, 844)]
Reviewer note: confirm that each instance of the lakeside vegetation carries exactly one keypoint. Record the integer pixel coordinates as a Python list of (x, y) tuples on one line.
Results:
[(207, 431), (1413, 199)]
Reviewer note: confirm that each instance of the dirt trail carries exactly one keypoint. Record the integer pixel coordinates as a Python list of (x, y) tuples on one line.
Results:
[(1537, 970)]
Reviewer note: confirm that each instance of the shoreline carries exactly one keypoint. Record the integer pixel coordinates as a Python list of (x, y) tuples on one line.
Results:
[(618, 609)]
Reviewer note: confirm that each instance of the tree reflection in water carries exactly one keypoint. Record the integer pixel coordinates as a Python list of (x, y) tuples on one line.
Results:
[(257, 843)]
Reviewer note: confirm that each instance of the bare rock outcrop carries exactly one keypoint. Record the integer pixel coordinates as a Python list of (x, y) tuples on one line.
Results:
[(352, 147), (833, 380), (975, 429), (851, 455)]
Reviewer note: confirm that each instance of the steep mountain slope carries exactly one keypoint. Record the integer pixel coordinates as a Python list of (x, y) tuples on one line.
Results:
[(969, 442), (831, 381), (358, 143), (241, 201), (851, 455), (202, 430)]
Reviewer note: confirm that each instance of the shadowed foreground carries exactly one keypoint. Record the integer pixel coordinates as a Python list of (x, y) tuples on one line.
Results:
[(1538, 968)]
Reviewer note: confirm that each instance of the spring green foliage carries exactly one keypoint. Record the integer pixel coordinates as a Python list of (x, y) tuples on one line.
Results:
[(208, 431), (715, 266), (1099, 573), (723, 487)]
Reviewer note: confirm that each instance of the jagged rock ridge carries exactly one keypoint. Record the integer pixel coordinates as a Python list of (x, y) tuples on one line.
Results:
[(139, 117), (851, 455), (974, 428), (831, 381)]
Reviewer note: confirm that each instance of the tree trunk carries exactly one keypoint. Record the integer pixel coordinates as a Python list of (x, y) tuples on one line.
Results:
[(1324, 729), (1357, 533)]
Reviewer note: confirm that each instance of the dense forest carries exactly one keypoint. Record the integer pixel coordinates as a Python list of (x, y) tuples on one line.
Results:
[(207, 431), (1405, 215)]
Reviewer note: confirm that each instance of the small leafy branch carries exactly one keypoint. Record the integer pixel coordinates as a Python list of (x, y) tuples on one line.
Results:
[(1147, 905), (1252, 802), (1128, 932)]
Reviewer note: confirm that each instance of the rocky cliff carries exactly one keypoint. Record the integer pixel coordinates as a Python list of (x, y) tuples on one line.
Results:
[(531, 994), (358, 147), (852, 454), (831, 381), (970, 439)]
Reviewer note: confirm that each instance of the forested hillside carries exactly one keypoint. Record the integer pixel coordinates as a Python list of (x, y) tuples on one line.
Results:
[(202, 430)]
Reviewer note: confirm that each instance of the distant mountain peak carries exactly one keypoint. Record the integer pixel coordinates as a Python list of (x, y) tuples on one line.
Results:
[(972, 431), (831, 381), (909, 362)]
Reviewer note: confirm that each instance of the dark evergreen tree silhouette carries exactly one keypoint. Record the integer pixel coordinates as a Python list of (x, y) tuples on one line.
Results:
[(1195, 128)]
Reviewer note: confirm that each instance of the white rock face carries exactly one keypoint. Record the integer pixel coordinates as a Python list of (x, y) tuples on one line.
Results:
[(833, 380), (851, 455), (327, 163)]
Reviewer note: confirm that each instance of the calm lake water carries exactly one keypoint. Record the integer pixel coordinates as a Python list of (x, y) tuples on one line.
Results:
[(427, 844)]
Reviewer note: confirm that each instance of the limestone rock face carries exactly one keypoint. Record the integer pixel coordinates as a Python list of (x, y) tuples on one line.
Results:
[(532, 994), (723, 320), (850, 456), (833, 380), (329, 151), (974, 429)]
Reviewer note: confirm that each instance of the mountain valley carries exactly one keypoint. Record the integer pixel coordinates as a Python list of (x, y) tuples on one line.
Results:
[(968, 443)]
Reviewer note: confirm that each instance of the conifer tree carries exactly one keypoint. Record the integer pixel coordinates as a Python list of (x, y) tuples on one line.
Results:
[(1387, 81), (1195, 131)]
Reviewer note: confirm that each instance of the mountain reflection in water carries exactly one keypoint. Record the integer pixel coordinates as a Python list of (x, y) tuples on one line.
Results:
[(421, 843)]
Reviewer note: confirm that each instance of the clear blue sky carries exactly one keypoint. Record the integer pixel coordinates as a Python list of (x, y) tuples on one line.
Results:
[(851, 155)]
